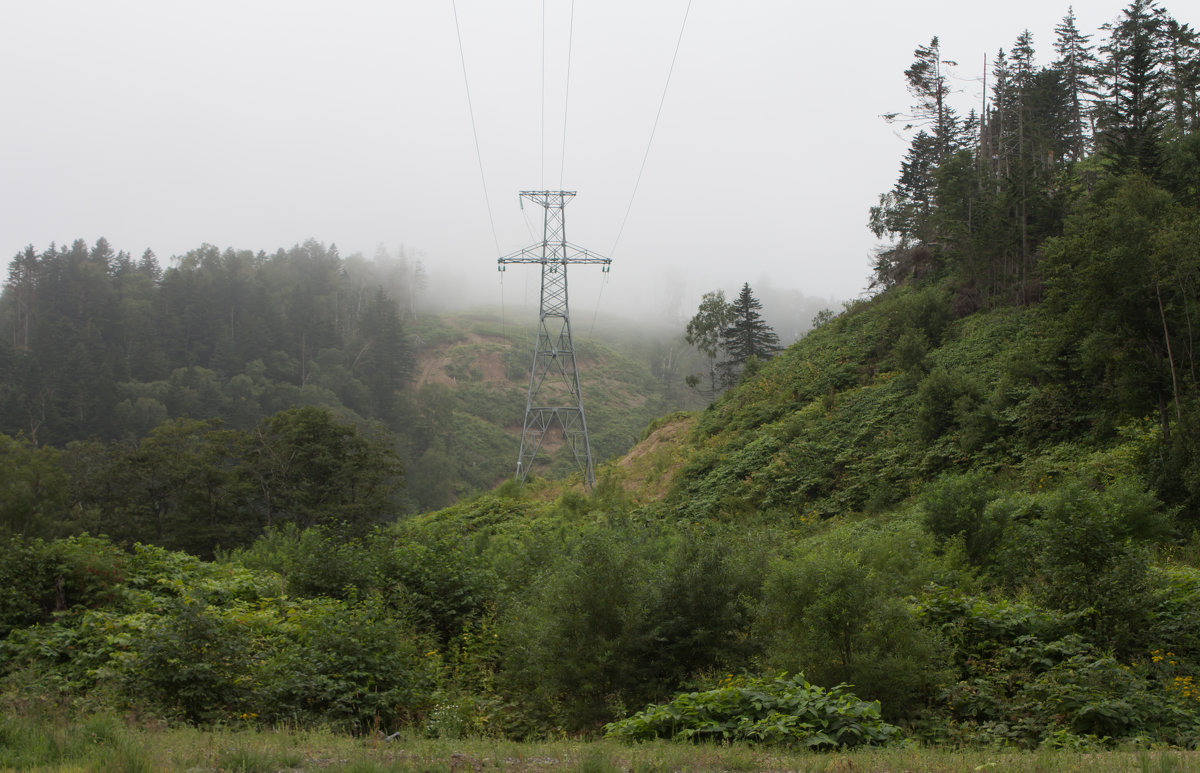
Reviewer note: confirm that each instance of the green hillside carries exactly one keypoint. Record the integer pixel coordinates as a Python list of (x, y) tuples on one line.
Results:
[(962, 513), (472, 374)]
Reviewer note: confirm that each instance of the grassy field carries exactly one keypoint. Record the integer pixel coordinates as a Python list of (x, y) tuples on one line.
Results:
[(106, 743)]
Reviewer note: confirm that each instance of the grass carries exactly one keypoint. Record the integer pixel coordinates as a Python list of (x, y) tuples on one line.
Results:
[(105, 743)]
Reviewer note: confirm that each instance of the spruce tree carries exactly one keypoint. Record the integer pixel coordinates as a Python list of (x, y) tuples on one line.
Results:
[(747, 337), (1135, 70), (928, 84), (1075, 63)]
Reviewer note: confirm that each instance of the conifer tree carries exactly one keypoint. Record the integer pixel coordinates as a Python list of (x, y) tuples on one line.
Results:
[(1182, 65), (928, 84), (1076, 62), (1135, 112), (747, 337)]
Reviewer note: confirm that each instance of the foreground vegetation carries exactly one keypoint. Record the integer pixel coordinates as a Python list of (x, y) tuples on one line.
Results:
[(104, 743)]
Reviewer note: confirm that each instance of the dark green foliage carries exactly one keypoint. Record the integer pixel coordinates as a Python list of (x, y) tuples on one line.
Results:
[(197, 486), (39, 579), (784, 711), (838, 613), (1023, 678), (956, 506), (436, 581), (1116, 283), (746, 338), (1090, 562), (312, 469), (944, 401), (622, 618), (357, 666), (192, 663), (33, 489)]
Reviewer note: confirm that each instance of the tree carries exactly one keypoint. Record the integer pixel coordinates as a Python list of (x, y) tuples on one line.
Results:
[(1183, 75), (747, 337), (311, 469), (1135, 69), (1118, 281), (928, 84), (704, 332), (1075, 63), (32, 488)]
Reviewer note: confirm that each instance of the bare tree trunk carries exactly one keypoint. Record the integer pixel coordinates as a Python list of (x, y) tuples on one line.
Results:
[(1170, 357)]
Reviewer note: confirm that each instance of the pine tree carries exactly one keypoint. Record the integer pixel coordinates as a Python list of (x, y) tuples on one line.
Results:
[(928, 84), (1135, 69), (1076, 63), (747, 336), (1183, 75)]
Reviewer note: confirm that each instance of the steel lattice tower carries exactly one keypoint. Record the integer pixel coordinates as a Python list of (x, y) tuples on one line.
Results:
[(554, 397)]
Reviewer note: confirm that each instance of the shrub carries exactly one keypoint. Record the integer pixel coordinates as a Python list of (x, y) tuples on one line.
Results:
[(838, 613), (956, 505), (784, 711), (624, 615), (355, 666), (1089, 560), (192, 664), (40, 578)]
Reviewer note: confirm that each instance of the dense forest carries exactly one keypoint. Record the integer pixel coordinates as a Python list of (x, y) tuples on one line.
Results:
[(963, 511)]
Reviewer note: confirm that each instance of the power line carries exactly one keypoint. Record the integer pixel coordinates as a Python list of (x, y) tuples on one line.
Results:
[(542, 157), (471, 109), (654, 128), (562, 164)]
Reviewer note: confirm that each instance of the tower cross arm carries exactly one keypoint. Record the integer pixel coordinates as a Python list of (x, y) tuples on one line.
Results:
[(537, 253)]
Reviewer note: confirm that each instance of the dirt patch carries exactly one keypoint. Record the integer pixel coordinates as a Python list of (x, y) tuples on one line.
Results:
[(482, 355), (491, 365), (649, 468), (665, 434)]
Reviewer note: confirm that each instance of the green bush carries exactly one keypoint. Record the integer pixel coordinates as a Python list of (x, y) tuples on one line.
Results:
[(38, 579), (783, 711), (356, 666), (837, 612), (956, 505), (623, 615), (1090, 560), (192, 664)]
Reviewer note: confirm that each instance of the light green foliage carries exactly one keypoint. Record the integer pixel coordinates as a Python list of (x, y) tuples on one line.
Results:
[(785, 711)]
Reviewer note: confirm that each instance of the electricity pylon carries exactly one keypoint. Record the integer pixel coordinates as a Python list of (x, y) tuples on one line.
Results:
[(554, 398)]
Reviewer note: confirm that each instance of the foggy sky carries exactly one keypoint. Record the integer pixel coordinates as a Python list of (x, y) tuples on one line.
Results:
[(257, 125)]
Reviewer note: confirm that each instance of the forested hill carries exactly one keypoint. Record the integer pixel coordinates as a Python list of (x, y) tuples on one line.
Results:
[(157, 394)]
